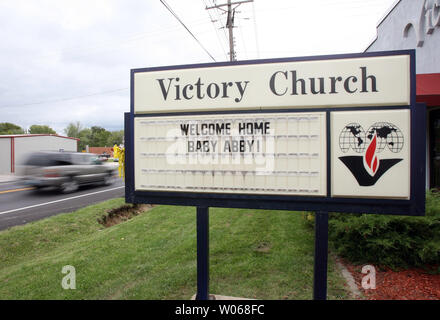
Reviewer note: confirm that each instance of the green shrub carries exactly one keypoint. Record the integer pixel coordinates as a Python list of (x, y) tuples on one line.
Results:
[(309, 219), (393, 241), (432, 203)]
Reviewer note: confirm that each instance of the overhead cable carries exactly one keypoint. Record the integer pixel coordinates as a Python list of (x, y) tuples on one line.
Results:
[(187, 29)]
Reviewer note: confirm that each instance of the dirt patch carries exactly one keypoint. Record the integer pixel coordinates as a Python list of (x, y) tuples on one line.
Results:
[(120, 292), (410, 284), (123, 213), (263, 247)]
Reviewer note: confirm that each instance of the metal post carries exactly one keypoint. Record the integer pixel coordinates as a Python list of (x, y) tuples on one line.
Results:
[(321, 256), (230, 26), (202, 253), (230, 22)]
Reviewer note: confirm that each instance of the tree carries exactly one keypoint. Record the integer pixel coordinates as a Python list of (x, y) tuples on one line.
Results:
[(39, 129), (10, 128), (93, 137), (84, 138), (73, 129), (116, 137), (99, 137)]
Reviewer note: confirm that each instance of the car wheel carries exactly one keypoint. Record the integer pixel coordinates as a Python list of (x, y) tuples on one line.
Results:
[(69, 186), (37, 188), (108, 179)]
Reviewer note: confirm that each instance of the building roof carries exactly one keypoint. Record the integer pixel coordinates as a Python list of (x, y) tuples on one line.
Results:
[(35, 135), (386, 14)]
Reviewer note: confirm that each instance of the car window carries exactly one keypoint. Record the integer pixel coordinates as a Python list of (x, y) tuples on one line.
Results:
[(79, 158), (95, 160), (40, 160), (48, 160), (82, 158)]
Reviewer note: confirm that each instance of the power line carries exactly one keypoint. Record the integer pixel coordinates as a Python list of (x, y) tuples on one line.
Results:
[(230, 21), (255, 30), (216, 31), (222, 27), (243, 41), (66, 99), (189, 31)]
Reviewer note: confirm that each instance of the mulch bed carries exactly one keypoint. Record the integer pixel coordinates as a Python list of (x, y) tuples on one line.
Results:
[(410, 284)]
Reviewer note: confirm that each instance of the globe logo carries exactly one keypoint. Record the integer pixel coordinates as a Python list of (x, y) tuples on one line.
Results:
[(366, 167), (354, 137), (388, 135)]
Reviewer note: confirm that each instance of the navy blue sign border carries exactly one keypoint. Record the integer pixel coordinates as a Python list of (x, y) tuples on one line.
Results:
[(415, 206)]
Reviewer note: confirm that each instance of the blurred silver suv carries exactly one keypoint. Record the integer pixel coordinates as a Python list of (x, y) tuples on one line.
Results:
[(66, 170)]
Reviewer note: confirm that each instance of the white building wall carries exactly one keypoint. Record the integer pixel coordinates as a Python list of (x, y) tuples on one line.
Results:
[(5, 155), (28, 144), (412, 24)]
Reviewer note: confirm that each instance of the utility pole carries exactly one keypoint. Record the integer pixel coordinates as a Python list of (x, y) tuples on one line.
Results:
[(230, 26), (230, 22)]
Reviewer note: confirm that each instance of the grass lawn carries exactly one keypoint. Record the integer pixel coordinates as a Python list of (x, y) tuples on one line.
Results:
[(253, 253)]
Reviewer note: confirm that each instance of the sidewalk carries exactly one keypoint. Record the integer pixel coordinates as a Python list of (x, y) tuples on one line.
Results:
[(4, 178)]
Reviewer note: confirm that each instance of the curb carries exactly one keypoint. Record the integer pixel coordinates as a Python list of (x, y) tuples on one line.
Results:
[(11, 179), (351, 283)]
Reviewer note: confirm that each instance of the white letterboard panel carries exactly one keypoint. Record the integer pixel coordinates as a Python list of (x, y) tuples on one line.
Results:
[(262, 153)]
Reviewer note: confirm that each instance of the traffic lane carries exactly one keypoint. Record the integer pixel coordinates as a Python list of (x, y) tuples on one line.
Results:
[(29, 208), (15, 184), (15, 195), (19, 195)]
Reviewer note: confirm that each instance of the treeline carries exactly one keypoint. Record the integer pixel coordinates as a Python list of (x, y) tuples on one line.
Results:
[(93, 137), (10, 128)]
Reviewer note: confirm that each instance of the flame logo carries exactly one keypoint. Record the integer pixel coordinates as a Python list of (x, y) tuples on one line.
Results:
[(370, 159)]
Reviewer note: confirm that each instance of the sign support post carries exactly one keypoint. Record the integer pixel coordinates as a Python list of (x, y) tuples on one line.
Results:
[(321, 256), (202, 253)]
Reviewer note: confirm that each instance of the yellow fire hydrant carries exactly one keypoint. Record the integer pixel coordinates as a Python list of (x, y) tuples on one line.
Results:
[(119, 152)]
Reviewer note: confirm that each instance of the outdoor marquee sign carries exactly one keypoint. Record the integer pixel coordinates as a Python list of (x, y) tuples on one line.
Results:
[(336, 133)]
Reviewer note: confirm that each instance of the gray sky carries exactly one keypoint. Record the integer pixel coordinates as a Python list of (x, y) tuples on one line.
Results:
[(70, 60)]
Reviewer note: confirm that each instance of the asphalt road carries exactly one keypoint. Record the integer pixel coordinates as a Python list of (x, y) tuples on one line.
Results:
[(20, 204)]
